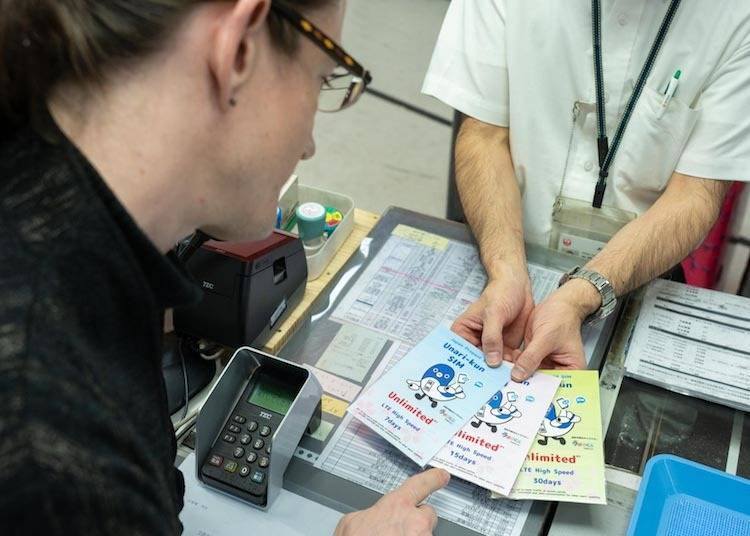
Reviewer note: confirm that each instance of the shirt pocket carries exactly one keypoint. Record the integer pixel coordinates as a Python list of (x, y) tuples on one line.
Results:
[(652, 144)]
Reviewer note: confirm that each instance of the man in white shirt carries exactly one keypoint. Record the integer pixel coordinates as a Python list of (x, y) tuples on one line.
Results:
[(523, 74)]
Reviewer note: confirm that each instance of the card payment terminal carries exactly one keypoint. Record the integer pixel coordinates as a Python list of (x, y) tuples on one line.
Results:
[(251, 424)]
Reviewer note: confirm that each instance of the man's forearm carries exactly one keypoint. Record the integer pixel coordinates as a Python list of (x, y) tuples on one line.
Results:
[(490, 194), (664, 235)]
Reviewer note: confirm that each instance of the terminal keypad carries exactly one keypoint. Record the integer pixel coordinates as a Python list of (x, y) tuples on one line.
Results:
[(241, 456)]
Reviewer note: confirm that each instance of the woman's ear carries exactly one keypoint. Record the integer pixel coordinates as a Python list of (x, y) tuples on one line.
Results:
[(234, 54)]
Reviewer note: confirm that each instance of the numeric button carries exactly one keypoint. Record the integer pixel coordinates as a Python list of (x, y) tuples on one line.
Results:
[(245, 439), (263, 462), (259, 444), (239, 452), (244, 471), (251, 457), (265, 431), (252, 426), (230, 467)]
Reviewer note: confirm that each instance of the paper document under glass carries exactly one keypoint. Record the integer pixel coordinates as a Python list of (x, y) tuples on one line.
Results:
[(693, 341)]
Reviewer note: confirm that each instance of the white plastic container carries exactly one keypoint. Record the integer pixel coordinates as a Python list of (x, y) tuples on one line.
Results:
[(317, 262)]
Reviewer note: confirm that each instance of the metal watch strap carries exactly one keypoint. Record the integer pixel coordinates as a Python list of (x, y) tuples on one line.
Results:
[(602, 285)]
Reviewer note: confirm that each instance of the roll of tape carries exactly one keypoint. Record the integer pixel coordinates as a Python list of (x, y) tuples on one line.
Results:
[(311, 219)]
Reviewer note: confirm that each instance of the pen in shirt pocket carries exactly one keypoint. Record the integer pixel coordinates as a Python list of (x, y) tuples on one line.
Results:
[(670, 91)]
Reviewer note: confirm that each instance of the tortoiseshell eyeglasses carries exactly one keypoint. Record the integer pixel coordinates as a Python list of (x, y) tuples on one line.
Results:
[(345, 85)]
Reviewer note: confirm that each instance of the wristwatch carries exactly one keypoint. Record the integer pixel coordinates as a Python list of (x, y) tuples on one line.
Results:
[(606, 291)]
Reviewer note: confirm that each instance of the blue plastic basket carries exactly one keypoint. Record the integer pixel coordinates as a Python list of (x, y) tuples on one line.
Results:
[(680, 497)]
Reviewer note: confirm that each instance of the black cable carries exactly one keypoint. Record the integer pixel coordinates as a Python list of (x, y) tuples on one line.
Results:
[(741, 240), (607, 153), (180, 340), (744, 289), (653, 53), (187, 247), (185, 250), (601, 120), (403, 104)]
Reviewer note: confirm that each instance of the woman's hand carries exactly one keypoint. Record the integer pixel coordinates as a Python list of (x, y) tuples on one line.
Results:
[(399, 513)]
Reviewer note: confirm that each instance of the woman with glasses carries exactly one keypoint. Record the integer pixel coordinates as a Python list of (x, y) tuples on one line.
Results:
[(124, 126)]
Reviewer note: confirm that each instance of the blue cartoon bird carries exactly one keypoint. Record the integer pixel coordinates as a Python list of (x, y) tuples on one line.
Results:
[(495, 412), (556, 425), (437, 384)]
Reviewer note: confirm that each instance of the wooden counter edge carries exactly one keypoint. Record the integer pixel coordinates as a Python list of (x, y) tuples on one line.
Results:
[(363, 223)]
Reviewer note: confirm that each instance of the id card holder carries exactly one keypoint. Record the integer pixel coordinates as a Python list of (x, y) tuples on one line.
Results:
[(582, 230)]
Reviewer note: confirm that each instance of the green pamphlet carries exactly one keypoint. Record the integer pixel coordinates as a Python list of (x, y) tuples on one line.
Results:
[(566, 460)]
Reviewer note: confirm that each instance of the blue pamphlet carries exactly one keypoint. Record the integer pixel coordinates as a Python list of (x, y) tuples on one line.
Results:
[(428, 396)]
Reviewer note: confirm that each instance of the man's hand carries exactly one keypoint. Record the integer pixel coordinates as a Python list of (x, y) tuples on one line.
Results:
[(553, 333), (640, 251), (491, 199), (496, 321), (399, 512)]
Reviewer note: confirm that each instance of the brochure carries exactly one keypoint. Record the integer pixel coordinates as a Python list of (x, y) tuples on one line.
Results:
[(490, 450), (430, 394), (566, 461)]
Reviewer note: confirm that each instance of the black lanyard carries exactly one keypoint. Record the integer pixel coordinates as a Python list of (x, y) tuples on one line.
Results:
[(607, 154)]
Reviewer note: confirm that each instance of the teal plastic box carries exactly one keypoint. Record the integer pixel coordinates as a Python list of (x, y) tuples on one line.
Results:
[(680, 497)]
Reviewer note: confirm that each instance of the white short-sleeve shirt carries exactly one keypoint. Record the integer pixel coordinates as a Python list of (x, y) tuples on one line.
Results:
[(524, 64)]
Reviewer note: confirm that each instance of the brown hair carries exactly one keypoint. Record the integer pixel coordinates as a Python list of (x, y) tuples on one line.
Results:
[(43, 42)]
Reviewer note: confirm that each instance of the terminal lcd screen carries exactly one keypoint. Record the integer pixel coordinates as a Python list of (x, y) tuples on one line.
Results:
[(272, 394)]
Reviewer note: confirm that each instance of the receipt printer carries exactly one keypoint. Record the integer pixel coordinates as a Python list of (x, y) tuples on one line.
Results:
[(249, 288), (250, 426)]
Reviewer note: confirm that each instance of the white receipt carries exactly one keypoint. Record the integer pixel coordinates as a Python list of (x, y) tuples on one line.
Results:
[(693, 341)]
